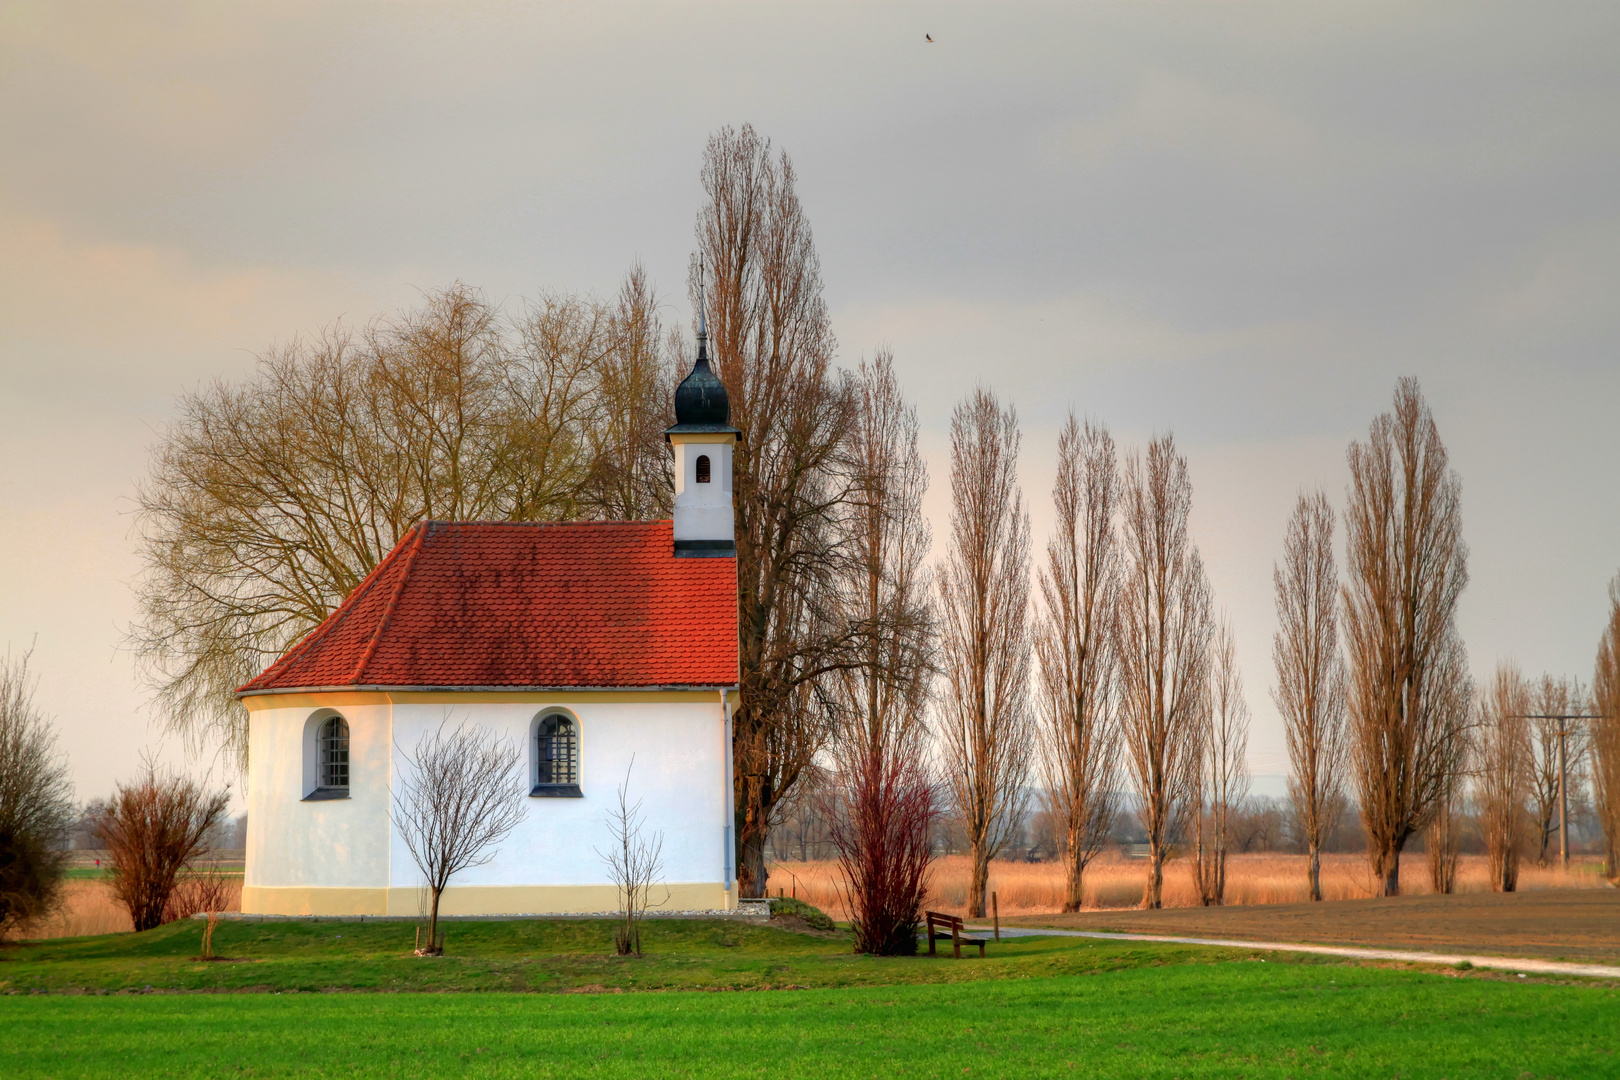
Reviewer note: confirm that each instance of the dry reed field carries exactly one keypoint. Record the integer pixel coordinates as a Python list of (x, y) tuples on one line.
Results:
[(89, 908), (1114, 882)]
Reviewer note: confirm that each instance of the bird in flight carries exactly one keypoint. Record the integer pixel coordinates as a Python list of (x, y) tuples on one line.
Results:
[(928, 37)]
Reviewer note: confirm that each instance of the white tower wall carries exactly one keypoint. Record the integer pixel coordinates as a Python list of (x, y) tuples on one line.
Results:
[(704, 511)]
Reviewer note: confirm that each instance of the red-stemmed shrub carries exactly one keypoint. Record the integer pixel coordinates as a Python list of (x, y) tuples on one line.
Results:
[(153, 830), (885, 808)]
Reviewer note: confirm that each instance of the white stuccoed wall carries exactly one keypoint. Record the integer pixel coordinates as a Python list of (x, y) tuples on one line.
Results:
[(680, 775), (326, 844)]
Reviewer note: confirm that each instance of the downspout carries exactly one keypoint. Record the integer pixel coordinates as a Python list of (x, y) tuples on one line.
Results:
[(729, 784), (388, 818)]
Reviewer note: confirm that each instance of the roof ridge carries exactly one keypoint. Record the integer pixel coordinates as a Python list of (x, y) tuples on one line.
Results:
[(550, 524), (421, 530), (328, 625)]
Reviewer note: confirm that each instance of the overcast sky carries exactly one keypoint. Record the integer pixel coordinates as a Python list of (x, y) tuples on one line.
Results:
[(1237, 222)]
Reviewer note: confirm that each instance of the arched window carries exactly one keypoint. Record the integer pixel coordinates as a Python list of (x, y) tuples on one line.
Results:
[(332, 746), (703, 468), (556, 756)]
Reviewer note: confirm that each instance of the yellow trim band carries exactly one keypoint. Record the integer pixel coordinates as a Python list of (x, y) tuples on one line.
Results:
[(475, 899)]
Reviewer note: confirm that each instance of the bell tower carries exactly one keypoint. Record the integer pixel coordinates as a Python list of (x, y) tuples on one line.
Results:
[(703, 438)]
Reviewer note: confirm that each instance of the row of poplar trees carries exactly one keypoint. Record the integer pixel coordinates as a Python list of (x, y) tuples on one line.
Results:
[(269, 499)]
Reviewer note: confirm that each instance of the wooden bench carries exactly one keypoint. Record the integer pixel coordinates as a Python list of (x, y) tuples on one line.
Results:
[(939, 924)]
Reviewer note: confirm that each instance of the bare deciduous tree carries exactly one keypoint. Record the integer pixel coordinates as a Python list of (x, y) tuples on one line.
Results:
[(1551, 698), (1223, 772), (635, 862), (460, 796), (1502, 763), (987, 731), (1077, 650), (36, 803), (1165, 629), (154, 829), (773, 347), (267, 501), (1442, 838), (883, 801), (1605, 734), (1409, 687), (630, 477), (1310, 673)]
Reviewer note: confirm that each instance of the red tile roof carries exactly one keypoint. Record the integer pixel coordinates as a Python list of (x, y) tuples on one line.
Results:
[(517, 604)]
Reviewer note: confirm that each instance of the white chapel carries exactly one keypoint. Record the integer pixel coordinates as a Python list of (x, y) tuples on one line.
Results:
[(586, 643)]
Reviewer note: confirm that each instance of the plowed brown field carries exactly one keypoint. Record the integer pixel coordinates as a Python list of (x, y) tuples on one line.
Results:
[(1571, 915), (1549, 924)]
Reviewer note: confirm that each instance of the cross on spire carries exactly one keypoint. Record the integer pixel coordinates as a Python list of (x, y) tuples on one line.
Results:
[(703, 322)]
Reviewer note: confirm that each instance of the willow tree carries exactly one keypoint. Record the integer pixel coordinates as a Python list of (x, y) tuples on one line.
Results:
[(1409, 688), (267, 500)]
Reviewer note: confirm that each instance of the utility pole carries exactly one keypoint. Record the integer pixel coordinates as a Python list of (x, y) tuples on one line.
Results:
[(1563, 802), (1564, 731)]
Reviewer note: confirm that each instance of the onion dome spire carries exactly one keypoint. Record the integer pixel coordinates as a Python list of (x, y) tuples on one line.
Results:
[(701, 402)]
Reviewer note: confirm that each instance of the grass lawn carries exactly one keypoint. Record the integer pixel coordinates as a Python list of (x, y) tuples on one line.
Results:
[(1036, 1007), (533, 955)]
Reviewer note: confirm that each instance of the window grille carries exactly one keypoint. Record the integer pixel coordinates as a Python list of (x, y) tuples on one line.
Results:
[(703, 468), (334, 749), (557, 752)]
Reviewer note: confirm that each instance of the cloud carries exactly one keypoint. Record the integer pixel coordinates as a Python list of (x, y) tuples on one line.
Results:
[(121, 322), (1168, 116), (1239, 222)]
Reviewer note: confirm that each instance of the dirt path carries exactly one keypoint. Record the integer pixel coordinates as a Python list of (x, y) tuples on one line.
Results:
[(1566, 925), (1498, 963)]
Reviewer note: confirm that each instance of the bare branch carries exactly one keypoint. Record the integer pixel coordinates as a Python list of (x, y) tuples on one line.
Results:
[(880, 800), (1223, 772), (773, 347), (268, 501), (1605, 732), (987, 729), (1502, 759), (1310, 674), (459, 798), (635, 862), (36, 803), (1165, 629), (1078, 651), (153, 830), (1409, 686)]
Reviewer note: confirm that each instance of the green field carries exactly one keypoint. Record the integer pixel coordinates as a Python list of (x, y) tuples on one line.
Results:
[(1036, 1007)]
